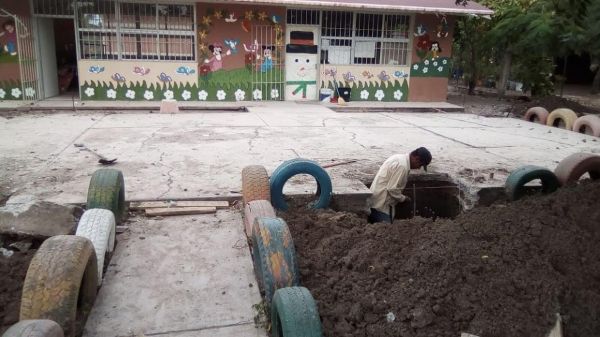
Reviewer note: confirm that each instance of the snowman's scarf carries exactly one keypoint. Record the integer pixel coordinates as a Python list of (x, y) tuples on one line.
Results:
[(302, 86)]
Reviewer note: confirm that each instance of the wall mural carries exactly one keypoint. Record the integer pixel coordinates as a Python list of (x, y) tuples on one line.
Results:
[(8, 42), (431, 63), (368, 82)]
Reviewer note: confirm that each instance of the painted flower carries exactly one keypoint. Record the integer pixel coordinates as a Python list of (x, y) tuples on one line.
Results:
[(168, 94), (130, 94), (445, 61), (274, 93), (379, 95), (29, 92), (440, 68), (2, 93), (240, 95), (148, 95), (186, 95), (202, 95), (111, 93), (426, 62), (89, 92), (425, 70), (416, 67), (221, 95), (364, 94), (16, 92), (435, 64), (257, 94), (398, 95)]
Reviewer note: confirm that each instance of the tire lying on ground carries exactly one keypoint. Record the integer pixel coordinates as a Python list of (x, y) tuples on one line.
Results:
[(563, 116), (294, 313), (537, 115), (107, 191), (515, 183), (293, 167), (61, 283), (256, 209), (589, 125), (98, 226), (274, 256), (34, 328), (255, 183), (574, 166)]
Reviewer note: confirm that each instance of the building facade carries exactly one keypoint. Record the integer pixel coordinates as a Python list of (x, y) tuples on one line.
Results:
[(300, 50)]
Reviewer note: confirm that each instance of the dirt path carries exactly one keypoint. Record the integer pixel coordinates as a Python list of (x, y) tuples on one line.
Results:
[(500, 271)]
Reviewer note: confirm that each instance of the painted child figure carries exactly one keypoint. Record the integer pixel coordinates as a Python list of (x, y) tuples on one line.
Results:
[(216, 61), (267, 63), (11, 37)]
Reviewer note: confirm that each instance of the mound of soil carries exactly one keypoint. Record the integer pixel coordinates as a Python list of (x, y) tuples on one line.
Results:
[(504, 270), (12, 274), (519, 107)]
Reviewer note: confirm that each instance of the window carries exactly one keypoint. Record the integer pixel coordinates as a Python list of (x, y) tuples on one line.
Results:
[(144, 31), (363, 38), (303, 17)]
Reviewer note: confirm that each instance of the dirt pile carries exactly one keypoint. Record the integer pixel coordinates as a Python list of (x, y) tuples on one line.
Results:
[(499, 271)]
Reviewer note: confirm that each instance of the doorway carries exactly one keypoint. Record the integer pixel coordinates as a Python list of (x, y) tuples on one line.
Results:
[(301, 63)]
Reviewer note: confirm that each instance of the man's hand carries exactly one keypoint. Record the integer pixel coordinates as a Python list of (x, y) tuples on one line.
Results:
[(407, 199)]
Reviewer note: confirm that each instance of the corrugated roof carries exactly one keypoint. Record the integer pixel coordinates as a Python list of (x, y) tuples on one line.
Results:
[(419, 6)]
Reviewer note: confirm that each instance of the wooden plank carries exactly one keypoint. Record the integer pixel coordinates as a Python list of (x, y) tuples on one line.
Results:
[(183, 203), (165, 211)]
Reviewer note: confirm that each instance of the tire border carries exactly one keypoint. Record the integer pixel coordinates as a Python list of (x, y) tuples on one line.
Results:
[(296, 166), (518, 178), (571, 168), (98, 226), (34, 328), (539, 112), (591, 121), (567, 115), (255, 183), (295, 312), (107, 183)]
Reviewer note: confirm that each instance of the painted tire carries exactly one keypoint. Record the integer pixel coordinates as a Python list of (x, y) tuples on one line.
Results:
[(274, 256), (574, 166), (517, 179), (589, 125), (256, 209), (98, 226), (34, 328), (536, 115), (567, 116), (61, 283), (107, 191), (255, 183), (293, 167), (294, 313)]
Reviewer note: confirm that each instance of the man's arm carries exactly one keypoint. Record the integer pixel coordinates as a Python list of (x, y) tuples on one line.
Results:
[(396, 175)]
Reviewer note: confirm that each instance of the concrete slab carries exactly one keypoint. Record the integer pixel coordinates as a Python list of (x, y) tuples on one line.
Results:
[(178, 276)]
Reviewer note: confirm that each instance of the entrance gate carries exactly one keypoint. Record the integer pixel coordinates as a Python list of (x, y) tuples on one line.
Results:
[(265, 57)]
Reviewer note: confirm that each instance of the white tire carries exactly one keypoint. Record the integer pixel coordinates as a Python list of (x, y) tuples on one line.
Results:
[(98, 226)]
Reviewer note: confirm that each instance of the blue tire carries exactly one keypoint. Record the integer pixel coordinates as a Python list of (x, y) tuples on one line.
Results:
[(294, 167)]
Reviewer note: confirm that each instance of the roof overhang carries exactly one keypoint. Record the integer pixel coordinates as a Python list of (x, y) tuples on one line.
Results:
[(412, 6)]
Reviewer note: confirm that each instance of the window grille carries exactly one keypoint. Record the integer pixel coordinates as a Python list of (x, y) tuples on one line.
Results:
[(364, 38), (143, 31), (303, 17), (53, 8)]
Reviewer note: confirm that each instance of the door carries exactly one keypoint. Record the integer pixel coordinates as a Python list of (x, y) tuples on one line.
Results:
[(301, 63), (266, 55), (49, 74)]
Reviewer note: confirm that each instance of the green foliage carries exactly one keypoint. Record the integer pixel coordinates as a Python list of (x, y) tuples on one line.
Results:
[(389, 91), (6, 88), (431, 67)]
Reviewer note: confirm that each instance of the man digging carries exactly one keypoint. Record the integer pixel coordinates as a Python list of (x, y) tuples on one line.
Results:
[(390, 180)]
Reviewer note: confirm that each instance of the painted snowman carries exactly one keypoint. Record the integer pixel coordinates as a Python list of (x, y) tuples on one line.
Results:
[(301, 72)]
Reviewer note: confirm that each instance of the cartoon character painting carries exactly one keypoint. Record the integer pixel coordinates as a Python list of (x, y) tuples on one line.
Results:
[(423, 41), (267, 63), (10, 35), (216, 61), (301, 67), (232, 44), (435, 49)]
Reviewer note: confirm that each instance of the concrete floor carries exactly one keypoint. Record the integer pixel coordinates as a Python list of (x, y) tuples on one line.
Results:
[(191, 155), (178, 276)]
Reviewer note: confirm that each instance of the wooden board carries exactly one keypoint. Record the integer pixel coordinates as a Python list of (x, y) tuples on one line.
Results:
[(165, 211), (184, 203)]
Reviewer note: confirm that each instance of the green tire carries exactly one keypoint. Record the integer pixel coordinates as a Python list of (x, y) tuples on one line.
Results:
[(294, 313), (515, 183), (107, 191), (274, 256)]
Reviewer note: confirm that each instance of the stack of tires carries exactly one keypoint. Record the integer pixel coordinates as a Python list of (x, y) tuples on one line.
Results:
[(568, 171), (566, 119), (65, 273), (293, 310)]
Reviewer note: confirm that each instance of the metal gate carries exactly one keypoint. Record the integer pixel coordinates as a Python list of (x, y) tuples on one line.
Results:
[(25, 50), (265, 57)]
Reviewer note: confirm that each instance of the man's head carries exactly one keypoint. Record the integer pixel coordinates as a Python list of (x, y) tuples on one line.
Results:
[(420, 157)]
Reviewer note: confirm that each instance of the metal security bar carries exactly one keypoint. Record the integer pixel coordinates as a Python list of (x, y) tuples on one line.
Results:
[(25, 52), (136, 31), (267, 63), (364, 38), (53, 8), (303, 17)]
